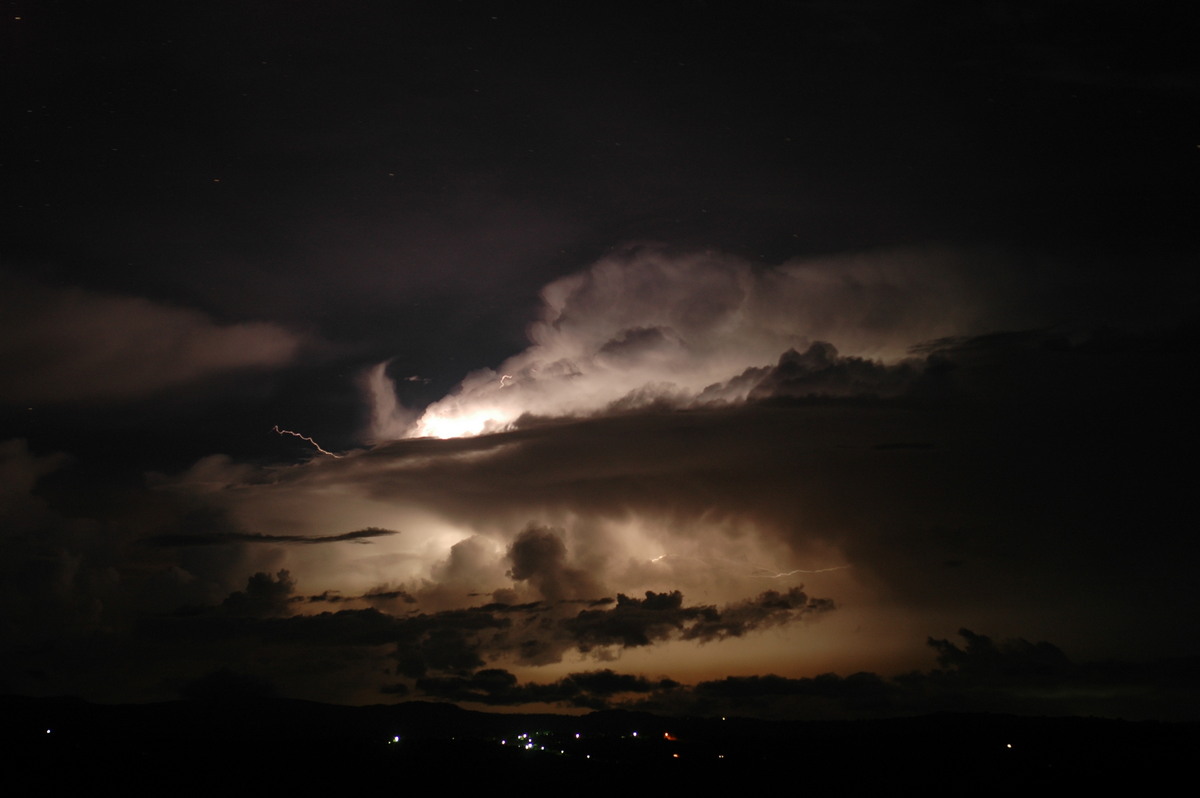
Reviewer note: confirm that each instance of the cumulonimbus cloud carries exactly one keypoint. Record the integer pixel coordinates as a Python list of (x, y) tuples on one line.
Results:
[(649, 326)]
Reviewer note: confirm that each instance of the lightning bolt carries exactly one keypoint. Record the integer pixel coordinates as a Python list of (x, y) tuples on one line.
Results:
[(316, 445), (506, 380)]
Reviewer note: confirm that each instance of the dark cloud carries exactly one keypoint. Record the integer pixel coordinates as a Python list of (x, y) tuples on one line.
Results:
[(1011, 676), (375, 596), (325, 597), (634, 622), (539, 556), (457, 643), (498, 687), (745, 688), (488, 686), (223, 538), (607, 682), (60, 571), (767, 609), (1010, 661), (820, 372), (389, 595), (264, 597), (659, 616), (777, 696), (439, 649), (991, 677), (541, 634)]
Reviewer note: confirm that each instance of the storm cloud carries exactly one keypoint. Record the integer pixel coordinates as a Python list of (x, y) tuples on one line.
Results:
[(651, 325), (743, 357)]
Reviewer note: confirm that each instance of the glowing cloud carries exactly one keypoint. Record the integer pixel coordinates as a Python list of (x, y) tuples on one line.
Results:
[(389, 420), (651, 327)]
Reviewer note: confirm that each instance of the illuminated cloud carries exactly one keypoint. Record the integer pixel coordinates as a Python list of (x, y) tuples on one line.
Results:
[(965, 499), (389, 420), (917, 475), (77, 345), (654, 327)]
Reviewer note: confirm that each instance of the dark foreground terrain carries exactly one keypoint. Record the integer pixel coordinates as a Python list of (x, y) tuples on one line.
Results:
[(198, 747)]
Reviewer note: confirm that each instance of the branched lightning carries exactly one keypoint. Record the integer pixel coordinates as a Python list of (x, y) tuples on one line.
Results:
[(316, 445)]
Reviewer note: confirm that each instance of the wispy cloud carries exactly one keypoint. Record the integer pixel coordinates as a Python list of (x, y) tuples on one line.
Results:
[(225, 538), (78, 345)]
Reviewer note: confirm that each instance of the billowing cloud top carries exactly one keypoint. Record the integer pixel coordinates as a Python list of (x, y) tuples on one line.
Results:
[(649, 326)]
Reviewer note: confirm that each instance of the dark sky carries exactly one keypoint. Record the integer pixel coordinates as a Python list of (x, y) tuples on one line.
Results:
[(837, 327)]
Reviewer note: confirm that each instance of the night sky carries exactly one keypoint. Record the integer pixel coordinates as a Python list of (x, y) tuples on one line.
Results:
[(801, 359)]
